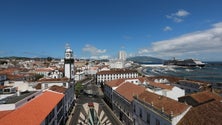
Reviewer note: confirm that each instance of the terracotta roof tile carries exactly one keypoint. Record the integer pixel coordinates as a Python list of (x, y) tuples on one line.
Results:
[(201, 97), (35, 111), (206, 114), (160, 102), (142, 79), (160, 85), (116, 72), (2, 87), (44, 69), (59, 89), (205, 96), (114, 83), (38, 86), (53, 80), (4, 113), (128, 90)]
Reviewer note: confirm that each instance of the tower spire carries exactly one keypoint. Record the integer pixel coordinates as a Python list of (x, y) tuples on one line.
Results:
[(67, 46)]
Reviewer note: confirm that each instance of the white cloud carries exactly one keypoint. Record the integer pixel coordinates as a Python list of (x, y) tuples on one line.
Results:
[(104, 57), (167, 28), (182, 13), (93, 50), (178, 16), (100, 57), (193, 44)]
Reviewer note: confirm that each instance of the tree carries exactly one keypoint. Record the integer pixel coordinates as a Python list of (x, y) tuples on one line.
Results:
[(38, 76), (78, 88), (49, 59)]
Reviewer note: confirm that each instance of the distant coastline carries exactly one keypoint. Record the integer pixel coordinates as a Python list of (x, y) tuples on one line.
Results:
[(212, 72)]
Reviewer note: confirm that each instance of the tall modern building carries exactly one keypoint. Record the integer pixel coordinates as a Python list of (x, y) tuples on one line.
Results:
[(122, 55), (69, 63)]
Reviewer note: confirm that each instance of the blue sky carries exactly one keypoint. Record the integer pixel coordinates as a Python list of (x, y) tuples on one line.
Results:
[(101, 28)]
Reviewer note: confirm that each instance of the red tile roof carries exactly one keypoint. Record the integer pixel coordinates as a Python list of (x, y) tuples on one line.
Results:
[(128, 90), (142, 79), (35, 111), (44, 69), (200, 98), (114, 83), (206, 114), (64, 79), (4, 113), (204, 96), (160, 85), (116, 72), (59, 89), (2, 87), (160, 102)]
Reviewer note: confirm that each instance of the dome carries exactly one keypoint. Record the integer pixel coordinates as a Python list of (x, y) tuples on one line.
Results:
[(68, 50)]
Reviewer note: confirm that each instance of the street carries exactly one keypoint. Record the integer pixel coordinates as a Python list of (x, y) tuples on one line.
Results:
[(104, 113)]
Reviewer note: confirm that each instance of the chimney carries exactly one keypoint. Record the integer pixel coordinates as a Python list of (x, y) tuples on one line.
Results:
[(18, 93), (171, 113), (162, 109)]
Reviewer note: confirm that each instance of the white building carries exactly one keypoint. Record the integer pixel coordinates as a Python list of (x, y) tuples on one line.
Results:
[(166, 90), (68, 99), (116, 64), (152, 109), (119, 96), (56, 74), (79, 76), (15, 101), (122, 55), (122, 101), (69, 63), (115, 74), (47, 83), (44, 71), (44, 109)]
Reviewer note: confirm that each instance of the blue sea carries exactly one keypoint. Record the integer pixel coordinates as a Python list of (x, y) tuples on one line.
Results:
[(212, 72)]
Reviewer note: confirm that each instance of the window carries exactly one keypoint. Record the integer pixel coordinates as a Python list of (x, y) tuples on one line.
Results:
[(59, 105), (64, 84), (157, 122), (46, 85), (147, 118), (140, 113), (6, 90)]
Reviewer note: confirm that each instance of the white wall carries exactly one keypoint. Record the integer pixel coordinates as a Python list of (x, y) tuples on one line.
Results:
[(4, 107), (153, 115), (176, 93)]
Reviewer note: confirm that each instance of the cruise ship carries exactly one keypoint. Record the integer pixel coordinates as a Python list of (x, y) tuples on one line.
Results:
[(186, 62)]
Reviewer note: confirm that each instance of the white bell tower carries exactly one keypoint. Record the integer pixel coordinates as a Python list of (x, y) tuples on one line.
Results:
[(69, 63)]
